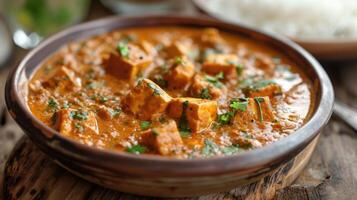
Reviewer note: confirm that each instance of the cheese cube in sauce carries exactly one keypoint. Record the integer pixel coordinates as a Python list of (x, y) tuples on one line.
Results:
[(146, 100), (263, 88), (211, 38), (69, 122), (181, 73), (198, 113), (164, 138), (201, 88), (258, 109), (63, 79), (179, 48), (127, 62), (216, 63)]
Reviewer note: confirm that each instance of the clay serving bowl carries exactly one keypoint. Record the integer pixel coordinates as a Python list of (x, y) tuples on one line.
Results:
[(161, 176)]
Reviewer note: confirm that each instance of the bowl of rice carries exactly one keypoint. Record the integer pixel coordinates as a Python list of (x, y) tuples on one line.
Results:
[(328, 28)]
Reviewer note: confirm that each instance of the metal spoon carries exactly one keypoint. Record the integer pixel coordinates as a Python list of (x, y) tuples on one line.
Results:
[(346, 113)]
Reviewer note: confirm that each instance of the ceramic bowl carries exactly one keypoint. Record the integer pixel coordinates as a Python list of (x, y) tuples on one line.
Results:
[(166, 177)]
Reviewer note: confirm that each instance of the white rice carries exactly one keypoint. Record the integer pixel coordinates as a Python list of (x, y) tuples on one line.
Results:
[(307, 19)]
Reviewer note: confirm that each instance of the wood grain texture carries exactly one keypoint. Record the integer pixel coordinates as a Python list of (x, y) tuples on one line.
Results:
[(30, 174), (331, 173)]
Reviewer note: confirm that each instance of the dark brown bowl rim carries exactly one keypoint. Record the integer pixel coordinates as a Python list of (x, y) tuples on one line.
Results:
[(264, 157)]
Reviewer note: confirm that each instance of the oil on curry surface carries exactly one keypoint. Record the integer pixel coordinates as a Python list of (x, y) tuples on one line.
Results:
[(171, 91)]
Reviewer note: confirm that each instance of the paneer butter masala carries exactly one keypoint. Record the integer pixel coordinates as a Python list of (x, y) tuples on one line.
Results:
[(171, 91)]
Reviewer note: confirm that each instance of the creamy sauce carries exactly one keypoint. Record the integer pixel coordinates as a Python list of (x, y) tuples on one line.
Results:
[(276, 94)]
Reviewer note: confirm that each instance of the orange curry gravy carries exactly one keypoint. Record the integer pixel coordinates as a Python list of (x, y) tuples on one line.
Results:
[(171, 91)]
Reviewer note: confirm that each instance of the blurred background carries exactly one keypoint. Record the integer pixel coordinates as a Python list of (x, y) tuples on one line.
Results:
[(326, 28)]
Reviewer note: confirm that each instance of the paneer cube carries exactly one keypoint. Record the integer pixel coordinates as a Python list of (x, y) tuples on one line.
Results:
[(179, 48), (64, 79), (199, 113), (263, 88), (264, 62), (146, 100), (180, 73), (107, 113), (205, 90), (127, 62), (164, 138), (259, 109), (226, 63), (148, 48), (211, 37), (69, 122)]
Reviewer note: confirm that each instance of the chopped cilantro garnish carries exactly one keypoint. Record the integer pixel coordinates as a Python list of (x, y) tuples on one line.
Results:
[(240, 104), (261, 84), (115, 112), (79, 127), (230, 150), (48, 69), (276, 60), (123, 50), (54, 118), (66, 105), (144, 125), (154, 132), (178, 60), (225, 118), (162, 119), (259, 100), (154, 88), (215, 80), (95, 84), (239, 69), (205, 94), (103, 99), (210, 148), (183, 125), (136, 149), (79, 115), (52, 104), (127, 38), (160, 81)]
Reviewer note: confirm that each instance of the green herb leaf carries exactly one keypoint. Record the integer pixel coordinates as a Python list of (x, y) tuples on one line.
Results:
[(115, 112), (183, 125), (123, 50), (261, 84), (103, 99), (160, 81), (52, 104), (126, 38), (79, 127), (178, 60), (95, 84), (225, 118), (215, 80), (205, 94), (239, 69), (136, 149), (259, 100), (79, 115), (230, 150), (54, 118), (240, 104), (155, 132), (162, 119), (144, 125), (210, 148), (156, 90)]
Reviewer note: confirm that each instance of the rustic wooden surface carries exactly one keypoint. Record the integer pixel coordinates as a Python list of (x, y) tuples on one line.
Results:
[(331, 173)]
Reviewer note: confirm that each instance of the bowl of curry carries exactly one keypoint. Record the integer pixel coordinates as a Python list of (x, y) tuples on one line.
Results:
[(170, 105)]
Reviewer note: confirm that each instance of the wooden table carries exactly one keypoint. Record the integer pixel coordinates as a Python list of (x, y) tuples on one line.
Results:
[(331, 173)]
